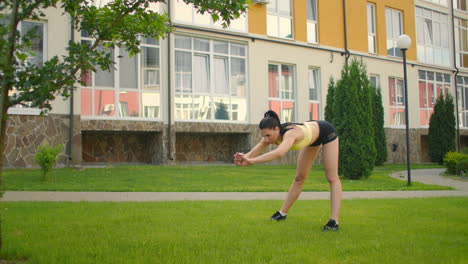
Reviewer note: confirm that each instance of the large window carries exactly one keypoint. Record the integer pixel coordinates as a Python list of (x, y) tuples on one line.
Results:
[(186, 13), (461, 42), (375, 80), (371, 29), (131, 90), (37, 55), (396, 101), (394, 25), (460, 4), (210, 79), (314, 94), (431, 86), (312, 26), (279, 19), (281, 82), (462, 89), (432, 37)]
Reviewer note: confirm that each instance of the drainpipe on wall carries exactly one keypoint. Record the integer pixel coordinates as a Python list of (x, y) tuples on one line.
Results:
[(70, 129), (456, 75), (169, 119), (345, 24)]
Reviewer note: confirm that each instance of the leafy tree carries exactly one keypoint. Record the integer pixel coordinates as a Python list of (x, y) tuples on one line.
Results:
[(329, 114), (118, 23), (442, 129), (354, 122), (379, 130)]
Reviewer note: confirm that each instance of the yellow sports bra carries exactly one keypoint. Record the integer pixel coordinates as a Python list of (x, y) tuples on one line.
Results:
[(306, 140)]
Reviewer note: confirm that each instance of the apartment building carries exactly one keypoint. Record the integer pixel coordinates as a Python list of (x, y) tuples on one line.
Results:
[(197, 96)]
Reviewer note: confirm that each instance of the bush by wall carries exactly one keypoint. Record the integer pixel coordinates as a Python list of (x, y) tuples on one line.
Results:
[(456, 163)]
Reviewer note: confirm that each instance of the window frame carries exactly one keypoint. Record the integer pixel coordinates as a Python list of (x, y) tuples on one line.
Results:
[(431, 80), (281, 91), (397, 106), (396, 51), (373, 34), (315, 72), (276, 16), (458, 42), (313, 23), (191, 112), (25, 109), (118, 91)]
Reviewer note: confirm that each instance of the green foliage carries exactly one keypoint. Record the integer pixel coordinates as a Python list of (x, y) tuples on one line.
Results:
[(46, 157), (456, 163), (442, 131), (354, 122), (329, 107), (380, 139), (221, 112)]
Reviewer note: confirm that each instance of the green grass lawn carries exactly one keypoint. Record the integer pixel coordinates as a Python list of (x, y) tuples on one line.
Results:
[(431, 230), (197, 179)]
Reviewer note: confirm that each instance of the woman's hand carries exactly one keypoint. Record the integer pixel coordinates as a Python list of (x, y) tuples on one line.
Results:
[(241, 160)]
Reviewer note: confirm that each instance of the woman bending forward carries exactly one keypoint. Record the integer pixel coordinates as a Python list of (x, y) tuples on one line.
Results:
[(307, 137)]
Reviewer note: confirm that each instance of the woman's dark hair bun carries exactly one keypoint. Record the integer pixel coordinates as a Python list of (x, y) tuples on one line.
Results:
[(271, 113)]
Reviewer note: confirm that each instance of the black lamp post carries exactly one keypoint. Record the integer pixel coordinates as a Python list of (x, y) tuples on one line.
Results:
[(404, 42)]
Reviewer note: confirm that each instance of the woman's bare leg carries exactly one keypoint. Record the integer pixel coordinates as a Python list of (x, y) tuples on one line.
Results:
[(305, 160), (330, 153)]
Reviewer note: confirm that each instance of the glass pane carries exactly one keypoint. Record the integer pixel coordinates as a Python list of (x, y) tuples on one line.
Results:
[(371, 44), (183, 71), (183, 42), (202, 107), (422, 95), (272, 6), (201, 77), (221, 47), (183, 107), (86, 102), (150, 68), (287, 82), (35, 33), (221, 84), (312, 86), (238, 78), (287, 111), (311, 32), (104, 103), (275, 105), (237, 49), (105, 78), (285, 25), (239, 109), (201, 44), (312, 10), (149, 41), (221, 108), (150, 105), (127, 70), (314, 111), (284, 7), (273, 79), (128, 104), (272, 25)]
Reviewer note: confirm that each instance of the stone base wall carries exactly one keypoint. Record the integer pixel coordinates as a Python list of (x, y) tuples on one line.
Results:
[(24, 134), (120, 147)]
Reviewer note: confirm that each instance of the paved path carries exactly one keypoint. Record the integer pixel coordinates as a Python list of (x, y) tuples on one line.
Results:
[(429, 176)]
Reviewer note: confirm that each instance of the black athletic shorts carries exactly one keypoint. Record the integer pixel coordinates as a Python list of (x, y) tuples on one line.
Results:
[(327, 133)]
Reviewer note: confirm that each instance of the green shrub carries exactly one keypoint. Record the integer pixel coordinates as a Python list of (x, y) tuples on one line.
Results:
[(456, 162), (46, 157)]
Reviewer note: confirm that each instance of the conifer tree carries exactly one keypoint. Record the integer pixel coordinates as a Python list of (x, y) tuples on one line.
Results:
[(353, 120), (329, 114), (442, 129), (379, 130)]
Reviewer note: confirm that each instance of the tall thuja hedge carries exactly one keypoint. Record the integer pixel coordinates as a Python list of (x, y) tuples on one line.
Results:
[(380, 139), (442, 129), (353, 118), (329, 107)]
